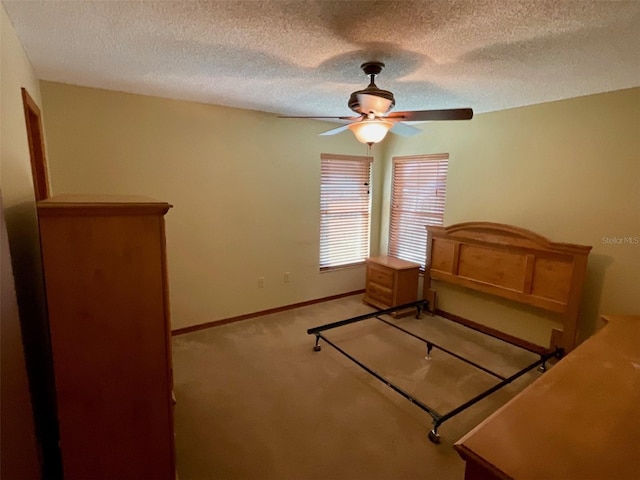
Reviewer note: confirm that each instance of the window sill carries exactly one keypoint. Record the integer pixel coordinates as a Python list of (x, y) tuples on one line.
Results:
[(341, 267)]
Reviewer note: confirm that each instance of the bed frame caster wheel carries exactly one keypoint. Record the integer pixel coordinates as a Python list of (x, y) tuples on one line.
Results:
[(434, 437), (317, 348)]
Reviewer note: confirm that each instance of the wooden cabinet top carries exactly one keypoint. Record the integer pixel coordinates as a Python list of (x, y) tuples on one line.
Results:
[(393, 262), (69, 204), (579, 420)]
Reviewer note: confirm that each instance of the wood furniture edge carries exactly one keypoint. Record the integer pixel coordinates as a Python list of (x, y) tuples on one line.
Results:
[(392, 262), (516, 232), (101, 205), (619, 334), (469, 456), (167, 325)]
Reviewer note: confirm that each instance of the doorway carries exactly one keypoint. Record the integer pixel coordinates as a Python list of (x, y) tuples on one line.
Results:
[(36, 146)]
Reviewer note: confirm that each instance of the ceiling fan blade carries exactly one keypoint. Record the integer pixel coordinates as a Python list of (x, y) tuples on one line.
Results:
[(319, 118), (404, 130), (425, 115), (373, 103), (334, 131)]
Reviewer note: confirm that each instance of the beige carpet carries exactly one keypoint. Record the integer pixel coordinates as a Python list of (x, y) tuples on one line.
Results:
[(254, 401)]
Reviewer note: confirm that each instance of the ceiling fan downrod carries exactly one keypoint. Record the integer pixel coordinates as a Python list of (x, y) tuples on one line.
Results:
[(371, 69)]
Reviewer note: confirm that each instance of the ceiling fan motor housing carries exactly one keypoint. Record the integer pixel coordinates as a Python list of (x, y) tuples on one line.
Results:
[(354, 104)]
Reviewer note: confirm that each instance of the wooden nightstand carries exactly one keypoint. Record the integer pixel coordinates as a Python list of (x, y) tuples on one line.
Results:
[(391, 282)]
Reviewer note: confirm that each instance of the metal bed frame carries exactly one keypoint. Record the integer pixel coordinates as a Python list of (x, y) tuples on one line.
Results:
[(438, 418)]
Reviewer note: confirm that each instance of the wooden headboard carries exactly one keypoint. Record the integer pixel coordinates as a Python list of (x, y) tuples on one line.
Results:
[(512, 263)]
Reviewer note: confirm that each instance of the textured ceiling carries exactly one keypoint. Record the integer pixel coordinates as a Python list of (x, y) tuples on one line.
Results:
[(303, 57)]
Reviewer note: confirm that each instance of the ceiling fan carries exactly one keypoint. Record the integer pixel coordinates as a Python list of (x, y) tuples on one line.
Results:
[(373, 104)]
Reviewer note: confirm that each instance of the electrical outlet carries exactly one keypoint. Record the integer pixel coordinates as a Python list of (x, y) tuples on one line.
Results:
[(260, 282), (287, 277)]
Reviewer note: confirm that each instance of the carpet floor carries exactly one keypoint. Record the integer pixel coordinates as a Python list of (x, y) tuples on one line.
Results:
[(254, 401)]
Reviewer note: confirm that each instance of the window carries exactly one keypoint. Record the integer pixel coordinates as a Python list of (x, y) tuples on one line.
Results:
[(345, 208), (419, 188)]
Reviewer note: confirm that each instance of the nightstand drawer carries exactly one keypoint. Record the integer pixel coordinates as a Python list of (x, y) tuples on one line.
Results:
[(379, 293), (380, 275)]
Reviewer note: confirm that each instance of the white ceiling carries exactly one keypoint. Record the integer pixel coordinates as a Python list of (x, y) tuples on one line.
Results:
[(303, 57)]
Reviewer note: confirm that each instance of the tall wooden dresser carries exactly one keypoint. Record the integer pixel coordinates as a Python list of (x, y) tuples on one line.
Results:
[(107, 296)]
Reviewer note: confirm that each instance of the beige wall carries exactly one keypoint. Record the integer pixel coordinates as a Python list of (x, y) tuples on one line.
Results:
[(245, 188), (20, 458), (568, 170)]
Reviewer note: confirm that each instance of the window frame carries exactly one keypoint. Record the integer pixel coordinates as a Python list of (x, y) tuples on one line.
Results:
[(339, 257), (431, 168)]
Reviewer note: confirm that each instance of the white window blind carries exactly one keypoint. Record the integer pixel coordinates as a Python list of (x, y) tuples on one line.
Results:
[(345, 208), (419, 189)]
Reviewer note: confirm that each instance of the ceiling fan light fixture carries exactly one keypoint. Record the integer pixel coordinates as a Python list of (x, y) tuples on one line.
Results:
[(370, 131)]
